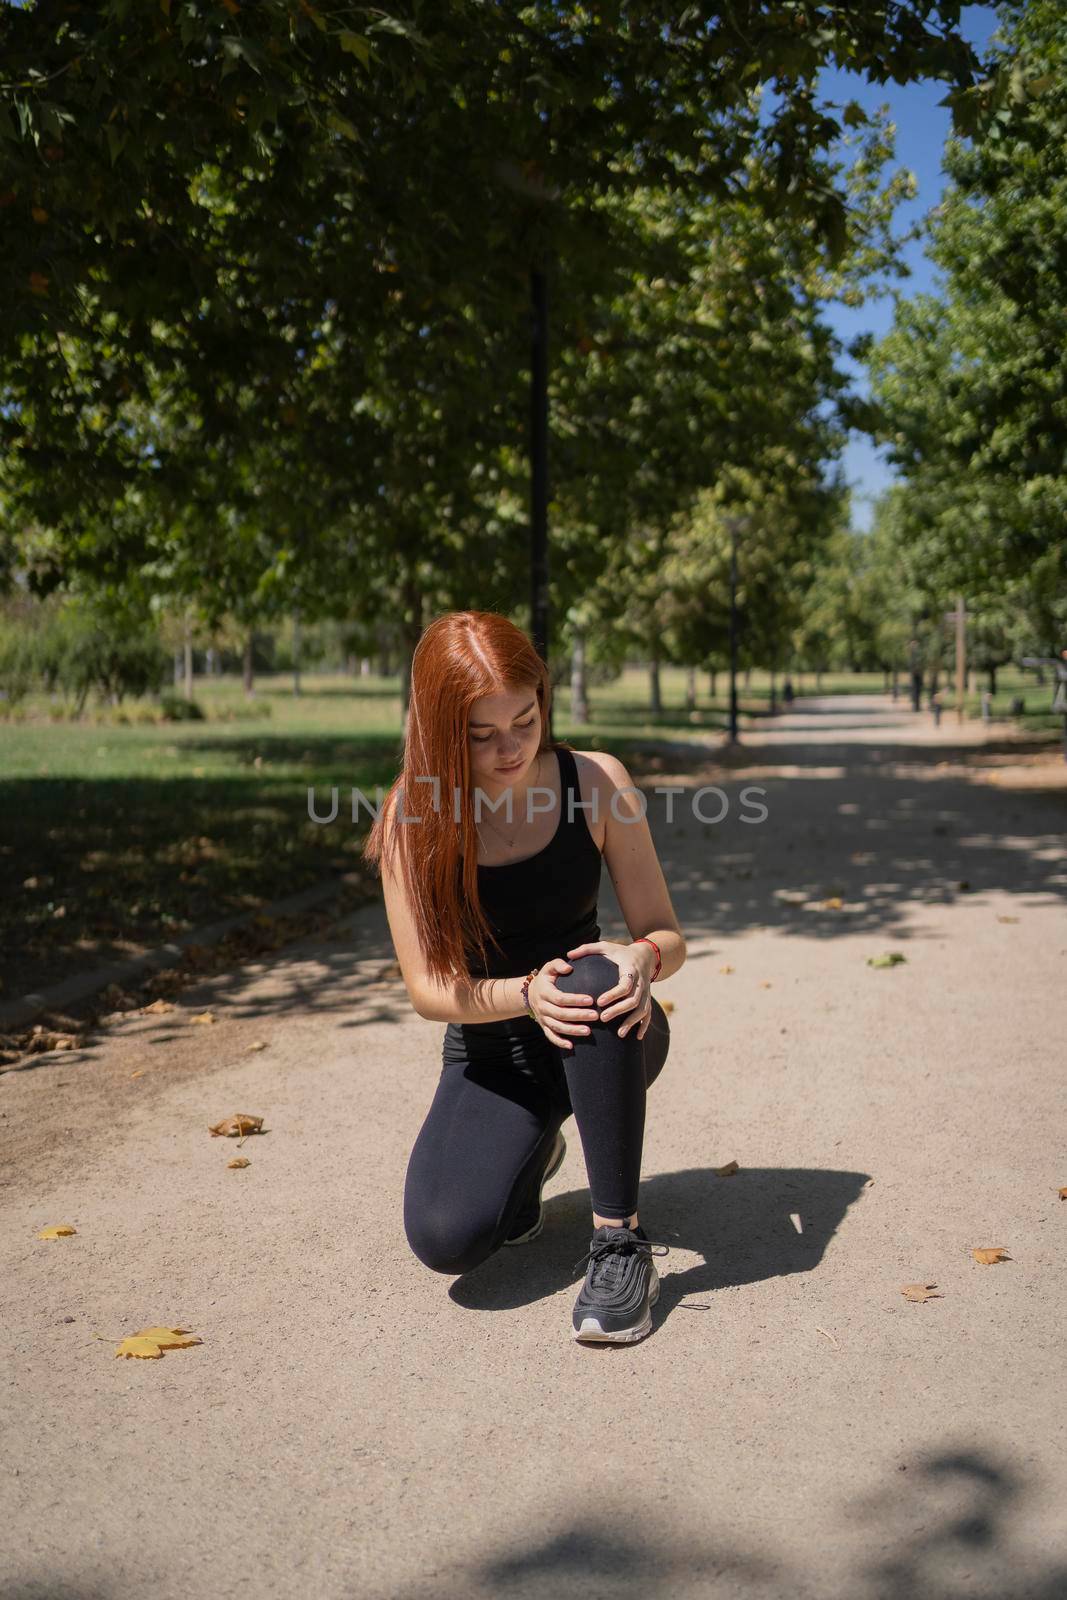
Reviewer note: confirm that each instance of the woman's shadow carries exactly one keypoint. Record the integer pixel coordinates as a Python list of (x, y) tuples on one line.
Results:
[(756, 1223)]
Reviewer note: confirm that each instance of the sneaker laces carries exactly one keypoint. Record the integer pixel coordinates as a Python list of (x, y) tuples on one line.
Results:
[(607, 1254)]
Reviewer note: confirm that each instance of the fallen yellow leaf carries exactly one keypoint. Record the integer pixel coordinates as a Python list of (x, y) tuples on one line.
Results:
[(258, 1044), (726, 969), (726, 1172), (834, 903), (989, 1255), (239, 1161), (1007, 919), (148, 1343), (60, 1231), (920, 1291), (159, 1005), (204, 1016)]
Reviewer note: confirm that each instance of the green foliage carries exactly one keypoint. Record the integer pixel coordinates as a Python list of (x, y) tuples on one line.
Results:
[(268, 282), (76, 647), (971, 388), (175, 708)]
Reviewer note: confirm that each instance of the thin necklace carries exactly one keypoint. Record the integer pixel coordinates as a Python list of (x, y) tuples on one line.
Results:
[(511, 842)]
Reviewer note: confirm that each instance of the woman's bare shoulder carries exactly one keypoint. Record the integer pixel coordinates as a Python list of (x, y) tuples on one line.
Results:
[(601, 768)]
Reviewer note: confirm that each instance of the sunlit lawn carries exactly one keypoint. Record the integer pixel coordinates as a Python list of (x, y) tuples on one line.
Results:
[(115, 835)]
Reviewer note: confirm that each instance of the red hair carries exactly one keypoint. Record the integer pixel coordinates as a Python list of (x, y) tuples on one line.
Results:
[(461, 657)]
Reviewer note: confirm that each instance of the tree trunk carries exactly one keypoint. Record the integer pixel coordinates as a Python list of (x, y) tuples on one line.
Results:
[(178, 668), (748, 678), (712, 676), (365, 666), (655, 702), (916, 688), (894, 687), (579, 684), (188, 662), (992, 673), (412, 633), (246, 672), (296, 653), (690, 688), (774, 693)]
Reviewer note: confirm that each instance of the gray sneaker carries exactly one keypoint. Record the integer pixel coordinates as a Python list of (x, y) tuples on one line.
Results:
[(621, 1285)]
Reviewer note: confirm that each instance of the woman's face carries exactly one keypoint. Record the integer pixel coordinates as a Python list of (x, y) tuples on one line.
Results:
[(504, 731)]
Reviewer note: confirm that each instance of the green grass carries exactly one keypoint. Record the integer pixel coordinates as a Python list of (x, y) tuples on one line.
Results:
[(117, 835)]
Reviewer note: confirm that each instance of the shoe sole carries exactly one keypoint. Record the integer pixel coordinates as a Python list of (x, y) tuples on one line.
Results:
[(591, 1330), (525, 1238)]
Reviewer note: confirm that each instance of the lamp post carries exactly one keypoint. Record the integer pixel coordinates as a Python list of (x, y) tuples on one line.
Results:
[(735, 524), (528, 181), (539, 461)]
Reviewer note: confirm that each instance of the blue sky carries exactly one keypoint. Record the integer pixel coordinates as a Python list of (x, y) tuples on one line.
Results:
[(922, 127)]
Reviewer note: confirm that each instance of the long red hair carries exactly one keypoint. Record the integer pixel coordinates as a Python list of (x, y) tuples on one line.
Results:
[(461, 657)]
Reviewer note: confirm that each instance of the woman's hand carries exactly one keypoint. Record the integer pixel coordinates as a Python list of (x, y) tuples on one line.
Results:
[(633, 992), (556, 1010)]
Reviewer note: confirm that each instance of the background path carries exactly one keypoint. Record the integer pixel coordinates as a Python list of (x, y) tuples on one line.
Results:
[(354, 1425)]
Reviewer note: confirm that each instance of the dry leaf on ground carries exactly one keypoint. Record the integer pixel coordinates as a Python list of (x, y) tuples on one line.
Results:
[(892, 958), (239, 1161), (59, 1231), (204, 1016), (727, 1172), (159, 1005), (989, 1255), (239, 1124), (726, 969), (258, 1044), (43, 1039), (921, 1291), (147, 1343)]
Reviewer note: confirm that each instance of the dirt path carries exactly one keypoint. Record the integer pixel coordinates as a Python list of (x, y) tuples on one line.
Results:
[(355, 1426)]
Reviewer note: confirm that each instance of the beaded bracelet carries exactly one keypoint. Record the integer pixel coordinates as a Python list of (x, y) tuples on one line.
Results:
[(526, 982), (659, 958)]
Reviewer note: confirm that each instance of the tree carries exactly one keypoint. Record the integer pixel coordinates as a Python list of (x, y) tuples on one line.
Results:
[(971, 386)]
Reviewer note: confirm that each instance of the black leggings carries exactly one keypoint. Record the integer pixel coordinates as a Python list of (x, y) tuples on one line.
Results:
[(504, 1092)]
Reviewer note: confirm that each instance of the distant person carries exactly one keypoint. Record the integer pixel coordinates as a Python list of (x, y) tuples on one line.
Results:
[(935, 706), (787, 692), (554, 1021)]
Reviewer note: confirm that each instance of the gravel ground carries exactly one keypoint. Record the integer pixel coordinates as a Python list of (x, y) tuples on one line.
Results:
[(353, 1425)]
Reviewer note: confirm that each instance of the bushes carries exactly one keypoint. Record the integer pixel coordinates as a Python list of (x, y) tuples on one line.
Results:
[(173, 708), (74, 649)]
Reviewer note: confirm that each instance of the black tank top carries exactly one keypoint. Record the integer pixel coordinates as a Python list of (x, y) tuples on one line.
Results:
[(544, 905)]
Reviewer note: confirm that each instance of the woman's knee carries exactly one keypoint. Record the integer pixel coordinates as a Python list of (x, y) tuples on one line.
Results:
[(443, 1241), (589, 974)]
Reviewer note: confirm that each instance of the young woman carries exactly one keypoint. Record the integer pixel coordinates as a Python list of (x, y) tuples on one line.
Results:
[(494, 835)]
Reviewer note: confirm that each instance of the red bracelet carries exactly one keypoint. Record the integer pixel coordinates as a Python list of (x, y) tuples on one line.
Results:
[(659, 958)]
